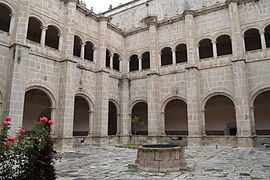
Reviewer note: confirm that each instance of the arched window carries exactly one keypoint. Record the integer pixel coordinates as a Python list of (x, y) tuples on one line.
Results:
[(116, 62), (4, 17), (108, 58), (146, 60), (205, 48), (252, 40), (134, 63), (181, 53), (34, 30), (89, 51), (166, 56), (52, 37), (224, 45), (77, 46), (267, 36)]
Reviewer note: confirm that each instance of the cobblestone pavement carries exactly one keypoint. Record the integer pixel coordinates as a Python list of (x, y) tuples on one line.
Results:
[(205, 163)]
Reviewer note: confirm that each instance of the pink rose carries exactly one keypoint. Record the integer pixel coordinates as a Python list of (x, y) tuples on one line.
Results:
[(5, 123), (5, 144), (8, 118), (11, 138), (43, 119), (22, 131), (50, 122)]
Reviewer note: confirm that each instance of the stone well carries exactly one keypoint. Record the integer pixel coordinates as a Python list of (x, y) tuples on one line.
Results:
[(161, 158)]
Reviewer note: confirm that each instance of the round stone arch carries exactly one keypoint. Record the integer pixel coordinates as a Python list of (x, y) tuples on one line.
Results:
[(174, 115), (259, 105), (113, 117), (8, 5), (37, 17), (139, 108), (83, 114), (218, 114), (38, 101)]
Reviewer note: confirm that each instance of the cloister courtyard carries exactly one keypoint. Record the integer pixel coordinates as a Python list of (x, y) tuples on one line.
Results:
[(204, 163)]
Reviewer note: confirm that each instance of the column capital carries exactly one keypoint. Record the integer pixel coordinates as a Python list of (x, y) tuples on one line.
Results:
[(12, 15), (44, 28), (188, 12), (90, 112)]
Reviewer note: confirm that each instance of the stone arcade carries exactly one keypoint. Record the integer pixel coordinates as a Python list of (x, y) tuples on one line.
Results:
[(196, 70)]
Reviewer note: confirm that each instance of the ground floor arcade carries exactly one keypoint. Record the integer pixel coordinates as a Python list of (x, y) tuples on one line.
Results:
[(218, 117)]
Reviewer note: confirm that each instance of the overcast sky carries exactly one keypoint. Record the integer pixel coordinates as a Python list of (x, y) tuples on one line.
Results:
[(103, 5)]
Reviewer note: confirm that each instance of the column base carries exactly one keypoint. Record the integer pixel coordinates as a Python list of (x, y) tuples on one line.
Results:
[(63, 144)]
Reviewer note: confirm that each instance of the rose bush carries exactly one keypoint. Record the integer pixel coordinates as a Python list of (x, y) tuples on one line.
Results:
[(29, 155)]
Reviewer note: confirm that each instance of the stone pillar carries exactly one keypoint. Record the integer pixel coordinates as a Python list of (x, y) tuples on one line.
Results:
[(66, 100), (174, 57), (15, 86), (154, 121), (90, 114), (82, 50), (154, 55), (192, 82), (214, 49), (20, 24), (192, 47), (111, 61), (16, 73), (263, 40), (240, 79), (102, 84), (237, 39), (241, 98), (43, 35), (125, 121), (12, 23), (159, 60)]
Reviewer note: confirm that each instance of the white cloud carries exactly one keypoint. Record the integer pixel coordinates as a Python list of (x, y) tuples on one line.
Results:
[(103, 5)]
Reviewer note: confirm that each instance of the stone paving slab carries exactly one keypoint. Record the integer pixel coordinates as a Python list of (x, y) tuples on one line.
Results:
[(205, 163)]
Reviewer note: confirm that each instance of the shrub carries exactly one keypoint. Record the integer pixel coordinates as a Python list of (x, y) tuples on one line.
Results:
[(29, 155)]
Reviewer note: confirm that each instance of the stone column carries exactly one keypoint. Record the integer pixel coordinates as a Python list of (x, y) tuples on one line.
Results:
[(111, 61), (162, 127), (263, 40), (154, 121), (192, 82), (125, 121), (90, 114), (60, 46), (82, 50), (118, 115), (173, 56), (159, 60), (53, 118), (140, 63), (12, 23), (43, 35), (214, 49), (102, 84), (252, 118), (95, 55)]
